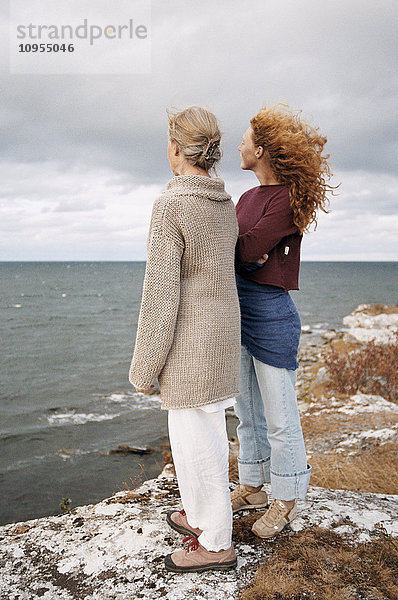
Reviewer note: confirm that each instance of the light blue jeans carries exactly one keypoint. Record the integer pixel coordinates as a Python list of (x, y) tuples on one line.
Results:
[(270, 436)]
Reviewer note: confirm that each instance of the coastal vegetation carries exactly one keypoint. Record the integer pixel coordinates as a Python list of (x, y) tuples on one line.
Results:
[(370, 369), (318, 564), (348, 392)]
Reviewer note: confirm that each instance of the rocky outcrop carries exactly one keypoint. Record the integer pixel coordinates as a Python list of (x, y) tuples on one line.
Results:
[(373, 322), (114, 550)]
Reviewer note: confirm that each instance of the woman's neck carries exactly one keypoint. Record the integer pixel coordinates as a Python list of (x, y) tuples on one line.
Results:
[(187, 169), (265, 174)]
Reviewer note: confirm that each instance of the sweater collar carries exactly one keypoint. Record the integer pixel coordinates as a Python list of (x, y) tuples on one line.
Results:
[(199, 185)]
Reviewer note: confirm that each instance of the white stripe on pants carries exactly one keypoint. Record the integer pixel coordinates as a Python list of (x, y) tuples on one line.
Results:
[(199, 444)]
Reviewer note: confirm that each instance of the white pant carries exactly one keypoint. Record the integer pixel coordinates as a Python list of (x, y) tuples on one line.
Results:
[(199, 444)]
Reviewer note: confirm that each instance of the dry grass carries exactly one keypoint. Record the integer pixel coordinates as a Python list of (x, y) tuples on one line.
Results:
[(134, 481), (375, 471), (317, 564), (340, 423), (233, 467), (242, 526), (372, 470), (131, 497)]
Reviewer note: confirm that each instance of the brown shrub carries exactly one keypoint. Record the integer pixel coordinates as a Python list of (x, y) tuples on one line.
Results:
[(316, 563), (373, 369)]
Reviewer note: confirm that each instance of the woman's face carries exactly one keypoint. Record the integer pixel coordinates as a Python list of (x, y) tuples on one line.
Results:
[(247, 151)]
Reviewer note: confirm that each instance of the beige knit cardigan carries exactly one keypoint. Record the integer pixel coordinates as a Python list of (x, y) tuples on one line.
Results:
[(189, 324)]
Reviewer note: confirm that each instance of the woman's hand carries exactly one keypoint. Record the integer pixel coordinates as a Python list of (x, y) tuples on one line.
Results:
[(251, 267), (263, 259), (148, 391)]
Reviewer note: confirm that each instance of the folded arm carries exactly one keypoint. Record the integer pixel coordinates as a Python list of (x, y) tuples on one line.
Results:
[(257, 264), (272, 227)]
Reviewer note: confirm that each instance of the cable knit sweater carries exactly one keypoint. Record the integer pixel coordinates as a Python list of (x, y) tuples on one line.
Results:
[(189, 325)]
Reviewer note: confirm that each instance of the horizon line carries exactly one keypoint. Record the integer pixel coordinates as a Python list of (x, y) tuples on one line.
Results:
[(87, 260)]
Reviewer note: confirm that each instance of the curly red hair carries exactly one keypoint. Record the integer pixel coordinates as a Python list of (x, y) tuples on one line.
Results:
[(295, 150)]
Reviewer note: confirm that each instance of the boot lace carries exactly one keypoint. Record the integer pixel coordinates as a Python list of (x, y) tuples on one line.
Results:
[(193, 543), (274, 513)]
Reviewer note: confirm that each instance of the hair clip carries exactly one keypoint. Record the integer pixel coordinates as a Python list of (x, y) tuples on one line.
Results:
[(211, 146)]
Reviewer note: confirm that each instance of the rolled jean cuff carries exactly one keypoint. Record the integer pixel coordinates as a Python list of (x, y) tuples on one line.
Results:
[(290, 487), (254, 473)]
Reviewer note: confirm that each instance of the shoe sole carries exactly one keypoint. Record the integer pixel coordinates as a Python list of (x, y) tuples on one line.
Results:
[(250, 507), (227, 566), (267, 537), (178, 528)]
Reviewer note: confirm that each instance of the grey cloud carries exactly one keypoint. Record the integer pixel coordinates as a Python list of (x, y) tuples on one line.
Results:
[(76, 205), (333, 59)]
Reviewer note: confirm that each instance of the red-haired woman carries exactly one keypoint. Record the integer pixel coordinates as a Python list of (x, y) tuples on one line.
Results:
[(285, 153)]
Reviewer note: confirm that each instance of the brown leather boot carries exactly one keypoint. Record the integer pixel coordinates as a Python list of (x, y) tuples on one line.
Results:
[(195, 559), (177, 519)]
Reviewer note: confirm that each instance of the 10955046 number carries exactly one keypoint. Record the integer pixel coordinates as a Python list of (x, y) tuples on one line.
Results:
[(46, 48)]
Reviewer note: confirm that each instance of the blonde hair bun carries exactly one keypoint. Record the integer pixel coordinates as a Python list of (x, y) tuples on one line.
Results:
[(197, 133)]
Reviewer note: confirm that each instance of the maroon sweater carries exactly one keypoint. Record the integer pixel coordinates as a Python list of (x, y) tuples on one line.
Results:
[(266, 226)]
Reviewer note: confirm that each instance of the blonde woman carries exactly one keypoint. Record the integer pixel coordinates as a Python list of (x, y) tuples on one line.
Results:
[(189, 335)]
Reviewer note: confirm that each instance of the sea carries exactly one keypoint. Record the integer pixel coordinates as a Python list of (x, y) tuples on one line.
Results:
[(67, 336)]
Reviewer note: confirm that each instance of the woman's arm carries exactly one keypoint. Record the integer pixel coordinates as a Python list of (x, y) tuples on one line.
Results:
[(274, 225), (255, 265), (160, 297)]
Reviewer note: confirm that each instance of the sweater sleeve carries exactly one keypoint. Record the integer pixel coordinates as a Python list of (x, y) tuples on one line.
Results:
[(160, 297), (275, 224)]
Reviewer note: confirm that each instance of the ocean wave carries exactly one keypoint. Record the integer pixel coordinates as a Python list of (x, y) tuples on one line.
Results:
[(73, 418), (117, 397), (90, 295), (324, 326), (62, 453), (25, 462), (68, 453), (134, 399), (316, 329)]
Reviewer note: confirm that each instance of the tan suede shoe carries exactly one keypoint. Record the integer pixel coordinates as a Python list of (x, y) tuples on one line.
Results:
[(274, 520), (195, 559), (241, 499), (177, 519)]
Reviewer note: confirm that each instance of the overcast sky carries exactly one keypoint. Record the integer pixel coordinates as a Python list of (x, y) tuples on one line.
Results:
[(83, 157)]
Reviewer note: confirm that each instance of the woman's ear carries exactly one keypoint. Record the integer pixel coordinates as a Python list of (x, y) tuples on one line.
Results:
[(259, 152), (174, 147)]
